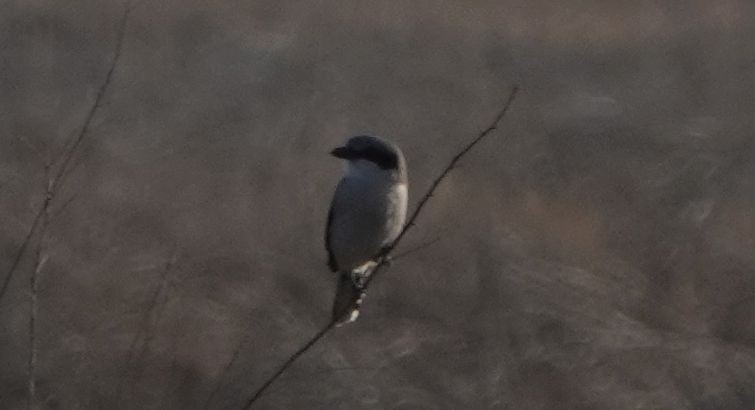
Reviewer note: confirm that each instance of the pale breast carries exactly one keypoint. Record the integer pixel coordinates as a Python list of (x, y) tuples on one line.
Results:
[(368, 214)]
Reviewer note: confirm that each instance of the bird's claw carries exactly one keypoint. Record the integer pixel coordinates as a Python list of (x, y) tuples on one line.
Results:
[(358, 280)]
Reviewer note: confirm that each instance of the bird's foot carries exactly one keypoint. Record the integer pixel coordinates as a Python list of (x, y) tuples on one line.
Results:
[(358, 279), (360, 275)]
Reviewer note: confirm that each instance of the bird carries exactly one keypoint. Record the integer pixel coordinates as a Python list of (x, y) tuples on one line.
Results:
[(367, 213)]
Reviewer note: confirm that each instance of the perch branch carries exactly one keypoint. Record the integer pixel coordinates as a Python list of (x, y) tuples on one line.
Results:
[(289, 362), (384, 260)]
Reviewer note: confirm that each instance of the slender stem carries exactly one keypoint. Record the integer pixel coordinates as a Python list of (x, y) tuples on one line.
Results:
[(68, 153), (40, 259), (415, 249), (384, 260), (319, 335), (21, 250), (43, 218), (145, 326), (221, 378)]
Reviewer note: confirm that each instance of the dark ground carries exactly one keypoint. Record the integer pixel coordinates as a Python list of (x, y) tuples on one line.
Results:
[(596, 253)]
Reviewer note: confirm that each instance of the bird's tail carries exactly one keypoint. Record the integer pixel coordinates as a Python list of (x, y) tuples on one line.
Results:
[(348, 300)]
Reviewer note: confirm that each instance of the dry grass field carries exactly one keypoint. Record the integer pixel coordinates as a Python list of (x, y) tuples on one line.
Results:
[(596, 252)]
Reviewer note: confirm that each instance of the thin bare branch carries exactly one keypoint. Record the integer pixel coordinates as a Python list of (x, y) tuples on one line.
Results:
[(43, 218), (34, 309), (68, 154), (144, 333), (21, 250), (40, 259), (65, 156), (153, 313), (384, 259), (225, 370), (289, 362), (415, 249), (383, 262)]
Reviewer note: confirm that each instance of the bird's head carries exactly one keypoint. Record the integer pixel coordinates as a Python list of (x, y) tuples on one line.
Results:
[(376, 150)]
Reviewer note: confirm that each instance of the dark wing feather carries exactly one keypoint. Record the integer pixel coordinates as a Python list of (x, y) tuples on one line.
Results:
[(331, 260)]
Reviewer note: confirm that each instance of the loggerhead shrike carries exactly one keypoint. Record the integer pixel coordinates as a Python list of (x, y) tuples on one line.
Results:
[(366, 215)]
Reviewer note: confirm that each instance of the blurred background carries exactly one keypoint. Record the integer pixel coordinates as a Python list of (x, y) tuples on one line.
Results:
[(597, 252)]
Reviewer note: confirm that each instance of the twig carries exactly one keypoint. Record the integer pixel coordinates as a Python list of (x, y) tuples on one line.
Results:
[(22, 249), (65, 157), (225, 370), (290, 361), (33, 297), (384, 259), (32, 366), (237, 351), (43, 219), (69, 153), (415, 249), (146, 321)]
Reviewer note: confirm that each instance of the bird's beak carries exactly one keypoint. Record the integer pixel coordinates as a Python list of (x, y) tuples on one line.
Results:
[(343, 153)]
